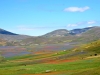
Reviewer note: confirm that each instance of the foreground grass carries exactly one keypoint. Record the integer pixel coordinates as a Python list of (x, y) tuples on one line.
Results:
[(86, 67)]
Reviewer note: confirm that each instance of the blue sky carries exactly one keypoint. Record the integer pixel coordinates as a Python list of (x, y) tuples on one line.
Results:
[(38, 17)]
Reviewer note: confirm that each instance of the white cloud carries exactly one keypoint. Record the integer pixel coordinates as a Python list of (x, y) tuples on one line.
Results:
[(90, 26), (82, 23), (91, 22), (76, 24), (76, 9), (72, 25)]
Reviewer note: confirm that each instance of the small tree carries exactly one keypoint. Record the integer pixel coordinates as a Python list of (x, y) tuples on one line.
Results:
[(95, 54)]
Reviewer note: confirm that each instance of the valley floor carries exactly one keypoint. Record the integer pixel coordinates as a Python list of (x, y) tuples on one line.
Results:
[(69, 66)]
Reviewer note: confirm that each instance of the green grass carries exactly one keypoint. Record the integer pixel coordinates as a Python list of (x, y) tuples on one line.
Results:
[(76, 67)]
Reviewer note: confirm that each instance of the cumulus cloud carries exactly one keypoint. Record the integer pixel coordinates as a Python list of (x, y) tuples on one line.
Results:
[(76, 9)]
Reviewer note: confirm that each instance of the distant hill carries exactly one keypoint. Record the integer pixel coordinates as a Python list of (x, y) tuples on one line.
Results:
[(2, 31), (79, 36), (64, 32), (6, 35), (89, 35), (79, 31), (57, 33)]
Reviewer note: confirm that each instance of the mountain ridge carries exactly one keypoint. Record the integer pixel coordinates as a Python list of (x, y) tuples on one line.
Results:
[(6, 35), (2, 31), (83, 35), (65, 32), (89, 35)]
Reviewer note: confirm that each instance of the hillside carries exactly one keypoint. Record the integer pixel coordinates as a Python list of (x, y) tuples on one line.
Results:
[(64, 32), (13, 37), (2, 31), (89, 36), (84, 35), (2, 42), (6, 35), (79, 31), (78, 36), (57, 33), (93, 47)]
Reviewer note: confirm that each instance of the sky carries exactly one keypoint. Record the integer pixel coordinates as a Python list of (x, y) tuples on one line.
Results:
[(38, 17)]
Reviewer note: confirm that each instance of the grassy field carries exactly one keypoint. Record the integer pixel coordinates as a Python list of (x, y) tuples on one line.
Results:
[(76, 67), (79, 61)]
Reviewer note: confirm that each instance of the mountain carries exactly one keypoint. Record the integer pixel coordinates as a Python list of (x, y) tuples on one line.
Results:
[(6, 32), (57, 33), (64, 32), (9, 36), (78, 36), (79, 31)]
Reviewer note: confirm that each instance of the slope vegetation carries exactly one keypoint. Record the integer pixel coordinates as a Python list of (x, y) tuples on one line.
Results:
[(71, 62)]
